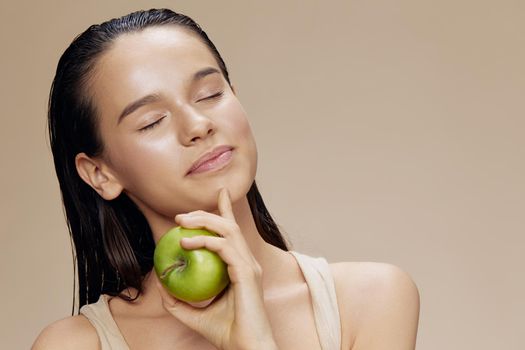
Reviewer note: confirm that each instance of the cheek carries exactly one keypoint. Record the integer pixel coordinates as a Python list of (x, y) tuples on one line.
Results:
[(241, 133), (139, 160), (237, 122)]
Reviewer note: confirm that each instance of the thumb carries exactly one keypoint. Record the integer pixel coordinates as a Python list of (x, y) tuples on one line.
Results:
[(171, 301), (181, 310)]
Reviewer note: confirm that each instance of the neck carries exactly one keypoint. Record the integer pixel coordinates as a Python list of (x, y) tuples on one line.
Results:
[(269, 257)]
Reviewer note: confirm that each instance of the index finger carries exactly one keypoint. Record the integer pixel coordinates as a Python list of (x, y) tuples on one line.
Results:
[(225, 205)]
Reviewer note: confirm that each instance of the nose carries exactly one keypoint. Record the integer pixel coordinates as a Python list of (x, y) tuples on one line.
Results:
[(197, 126)]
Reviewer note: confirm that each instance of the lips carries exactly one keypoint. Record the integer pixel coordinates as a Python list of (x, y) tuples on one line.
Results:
[(214, 153)]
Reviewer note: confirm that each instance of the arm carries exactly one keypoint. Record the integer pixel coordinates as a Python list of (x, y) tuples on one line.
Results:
[(237, 320), (73, 332), (390, 310)]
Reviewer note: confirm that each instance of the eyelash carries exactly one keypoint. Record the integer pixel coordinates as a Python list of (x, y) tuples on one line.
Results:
[(152, 125)]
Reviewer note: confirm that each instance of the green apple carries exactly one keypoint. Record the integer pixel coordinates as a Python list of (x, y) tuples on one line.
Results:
[(192, 275)]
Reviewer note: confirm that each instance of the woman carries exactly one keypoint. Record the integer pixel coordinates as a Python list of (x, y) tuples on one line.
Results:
[(136, 105)]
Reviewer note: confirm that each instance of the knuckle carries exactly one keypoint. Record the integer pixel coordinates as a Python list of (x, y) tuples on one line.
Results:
[(233, 227), (219, 249), (216, 243)]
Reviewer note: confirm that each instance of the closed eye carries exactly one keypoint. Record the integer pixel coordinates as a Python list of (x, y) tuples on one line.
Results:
[(217, 95), (152, 125)]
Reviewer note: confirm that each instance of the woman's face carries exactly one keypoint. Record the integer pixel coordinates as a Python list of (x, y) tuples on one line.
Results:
[(151, 148)]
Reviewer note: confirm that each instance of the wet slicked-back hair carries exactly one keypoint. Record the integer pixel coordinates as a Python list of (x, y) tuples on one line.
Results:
[(112, 242)]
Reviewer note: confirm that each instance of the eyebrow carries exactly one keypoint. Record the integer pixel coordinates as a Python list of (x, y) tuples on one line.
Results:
[(152, 98)]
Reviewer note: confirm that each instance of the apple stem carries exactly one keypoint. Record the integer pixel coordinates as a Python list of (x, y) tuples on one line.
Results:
[(171, 268)]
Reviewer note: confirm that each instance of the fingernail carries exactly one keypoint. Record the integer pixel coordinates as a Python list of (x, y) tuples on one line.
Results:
[(181, 216)]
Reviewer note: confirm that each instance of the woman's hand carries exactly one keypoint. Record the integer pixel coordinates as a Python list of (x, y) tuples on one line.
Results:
[(237, 320)]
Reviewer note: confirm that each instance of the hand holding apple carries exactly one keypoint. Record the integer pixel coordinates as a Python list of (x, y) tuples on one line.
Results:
[(238, 319), (189, 275)]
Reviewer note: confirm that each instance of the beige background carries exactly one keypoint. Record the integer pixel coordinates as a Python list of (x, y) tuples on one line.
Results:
[(387, 131)]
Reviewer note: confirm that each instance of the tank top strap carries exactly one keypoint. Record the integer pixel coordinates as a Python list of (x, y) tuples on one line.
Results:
[(100, 317), (319, 279), (320, 283)]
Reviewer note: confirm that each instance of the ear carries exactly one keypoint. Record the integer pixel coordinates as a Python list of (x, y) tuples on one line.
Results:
[(95, 173), (233, 89)]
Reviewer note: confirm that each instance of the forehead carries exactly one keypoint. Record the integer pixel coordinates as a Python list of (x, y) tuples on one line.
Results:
[(139, 63)]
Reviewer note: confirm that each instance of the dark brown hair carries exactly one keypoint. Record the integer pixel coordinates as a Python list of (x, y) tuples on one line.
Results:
[(112, 242)]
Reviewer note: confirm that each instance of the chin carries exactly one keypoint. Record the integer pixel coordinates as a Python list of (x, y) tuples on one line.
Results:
[(238, 179)]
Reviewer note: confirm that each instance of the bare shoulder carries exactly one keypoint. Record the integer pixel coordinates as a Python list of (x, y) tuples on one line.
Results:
[(370, 280), (379, 305), (74, 332)]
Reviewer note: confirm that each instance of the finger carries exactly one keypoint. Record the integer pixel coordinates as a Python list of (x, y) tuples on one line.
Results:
[(208, 221), (195, 242), (221, 226), (214, 244), (185, 313), (240, 266), (225, 205)]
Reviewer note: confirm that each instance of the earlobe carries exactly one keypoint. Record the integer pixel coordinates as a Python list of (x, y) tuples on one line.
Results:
[(93, 173)]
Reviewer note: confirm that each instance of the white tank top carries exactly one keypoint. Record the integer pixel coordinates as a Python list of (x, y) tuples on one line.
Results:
[(320, 283)]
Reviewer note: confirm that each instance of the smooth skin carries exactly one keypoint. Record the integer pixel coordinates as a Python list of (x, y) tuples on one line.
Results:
[(268, 304)]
